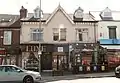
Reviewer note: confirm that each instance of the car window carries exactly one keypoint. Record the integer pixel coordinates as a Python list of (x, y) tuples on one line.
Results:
[(8, 69), (2, 68), (14, 69)]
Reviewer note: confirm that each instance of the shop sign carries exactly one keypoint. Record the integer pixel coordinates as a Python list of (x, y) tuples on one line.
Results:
[(2, 51), (33, 48), (60, 49)]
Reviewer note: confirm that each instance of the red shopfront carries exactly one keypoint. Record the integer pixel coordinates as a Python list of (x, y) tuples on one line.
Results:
[(2, 55)]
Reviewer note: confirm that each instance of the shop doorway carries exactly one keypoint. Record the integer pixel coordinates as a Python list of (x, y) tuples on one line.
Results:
[(59, 62), (46, 61)]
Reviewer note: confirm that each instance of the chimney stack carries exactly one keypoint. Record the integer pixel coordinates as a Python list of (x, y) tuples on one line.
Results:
[(23, 12)]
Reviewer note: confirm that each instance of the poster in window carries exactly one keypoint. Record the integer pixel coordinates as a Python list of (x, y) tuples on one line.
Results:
[(7, 37)]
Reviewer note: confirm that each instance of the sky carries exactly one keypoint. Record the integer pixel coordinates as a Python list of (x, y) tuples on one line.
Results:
[(48, 6)]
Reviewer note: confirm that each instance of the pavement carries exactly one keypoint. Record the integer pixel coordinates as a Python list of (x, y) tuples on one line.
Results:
[(47, 77)]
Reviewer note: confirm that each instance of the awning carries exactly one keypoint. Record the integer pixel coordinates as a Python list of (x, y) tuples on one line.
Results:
[(111, 46)]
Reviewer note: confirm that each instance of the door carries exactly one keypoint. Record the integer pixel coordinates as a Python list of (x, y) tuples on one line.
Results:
[(59, 62), (46, 61)]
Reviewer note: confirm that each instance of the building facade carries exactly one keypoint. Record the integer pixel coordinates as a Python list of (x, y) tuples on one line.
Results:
[(108, 33), (9, 39), (58, 35)]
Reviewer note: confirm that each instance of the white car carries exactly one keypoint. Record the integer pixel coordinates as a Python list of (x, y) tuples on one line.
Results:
[(12, 73)]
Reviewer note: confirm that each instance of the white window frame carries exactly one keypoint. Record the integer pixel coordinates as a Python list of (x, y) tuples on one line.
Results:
[(82, 32), (59, 33), (56, 31), (32, 32), (7, 38)]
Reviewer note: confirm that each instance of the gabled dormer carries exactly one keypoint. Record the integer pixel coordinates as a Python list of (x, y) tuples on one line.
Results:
[(78, 14), (106, 14), (37, 12)]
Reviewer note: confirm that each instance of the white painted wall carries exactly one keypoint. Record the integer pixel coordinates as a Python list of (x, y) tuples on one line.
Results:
[(58, 19), (102, 28)]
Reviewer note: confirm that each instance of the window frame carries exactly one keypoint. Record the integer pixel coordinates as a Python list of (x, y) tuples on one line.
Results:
[(61, 35), (6, 38), (38, 33), (81, 31), (115, 33)]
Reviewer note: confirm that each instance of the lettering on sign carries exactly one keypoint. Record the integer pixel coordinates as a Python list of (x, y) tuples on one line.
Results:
[(33, 48)]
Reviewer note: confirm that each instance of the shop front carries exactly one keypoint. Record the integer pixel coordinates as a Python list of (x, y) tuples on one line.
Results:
[(30, 59), (2, 55), (60, 57)]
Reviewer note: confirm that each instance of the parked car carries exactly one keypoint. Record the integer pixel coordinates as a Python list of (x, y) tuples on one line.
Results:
[(117, 71), (12, 73)]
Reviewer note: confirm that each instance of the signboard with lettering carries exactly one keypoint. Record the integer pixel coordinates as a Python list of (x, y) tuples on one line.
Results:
[(60, 49)]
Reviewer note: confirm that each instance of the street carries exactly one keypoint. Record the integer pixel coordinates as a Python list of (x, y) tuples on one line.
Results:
[(90, 80)]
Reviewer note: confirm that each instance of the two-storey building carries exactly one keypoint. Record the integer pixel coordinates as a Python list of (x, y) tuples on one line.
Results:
[(60, 33)]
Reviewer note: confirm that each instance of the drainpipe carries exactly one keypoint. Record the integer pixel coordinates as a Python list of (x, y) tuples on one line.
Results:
[(95, 32)]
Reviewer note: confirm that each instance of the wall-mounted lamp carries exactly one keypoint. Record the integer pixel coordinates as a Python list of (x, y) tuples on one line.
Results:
[(1, 37)]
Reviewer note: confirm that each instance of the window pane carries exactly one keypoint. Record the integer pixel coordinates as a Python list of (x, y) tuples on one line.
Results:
[(1, 69), (80, 37), (55, 34), (37, 35), (112, 33), (7, 37), (63, 34)]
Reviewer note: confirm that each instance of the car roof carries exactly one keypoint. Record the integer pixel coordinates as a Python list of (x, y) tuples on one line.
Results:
[(8, 65)]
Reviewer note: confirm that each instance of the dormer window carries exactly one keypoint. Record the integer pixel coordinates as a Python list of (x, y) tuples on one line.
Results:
[(78, 15), (37, 12), (106, 14)]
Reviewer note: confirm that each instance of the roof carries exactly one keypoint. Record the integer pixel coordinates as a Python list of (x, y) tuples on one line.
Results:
[(8, 65), (47, 16), (62, 10), (115, 15), (8, 20)]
